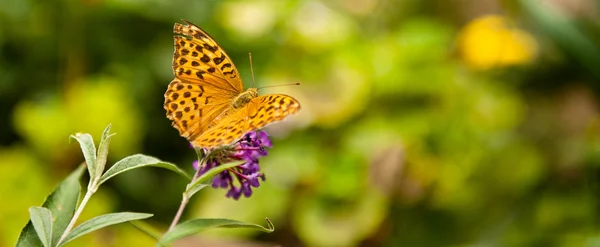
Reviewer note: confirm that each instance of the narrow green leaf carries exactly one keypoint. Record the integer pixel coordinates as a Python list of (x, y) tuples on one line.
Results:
[(138, 161), (89, 151), (103, 221), (106, 132), (194, 226), (103, 151), (41, 218), (198, 184), (195, 188), (62, 203), (566, 33), (146, 228)]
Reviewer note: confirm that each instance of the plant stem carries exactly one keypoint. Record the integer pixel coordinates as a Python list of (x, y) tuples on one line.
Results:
[(184, 202), (185, 197), (85, 200)]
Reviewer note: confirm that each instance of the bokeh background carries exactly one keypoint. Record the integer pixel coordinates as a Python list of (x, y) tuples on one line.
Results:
[(424, 123)]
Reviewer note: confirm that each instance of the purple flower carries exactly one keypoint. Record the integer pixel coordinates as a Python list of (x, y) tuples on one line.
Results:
[(242, 178)]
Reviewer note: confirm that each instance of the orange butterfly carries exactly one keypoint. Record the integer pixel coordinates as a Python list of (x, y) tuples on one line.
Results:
[(206, 101)]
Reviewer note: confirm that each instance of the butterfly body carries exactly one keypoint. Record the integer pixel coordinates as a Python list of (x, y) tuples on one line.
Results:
[(245, 97), (206, 101)]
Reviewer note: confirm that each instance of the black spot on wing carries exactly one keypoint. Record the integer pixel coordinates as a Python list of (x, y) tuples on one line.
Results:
[(210, 48), (205, 59), (199, 74), (219, 60)]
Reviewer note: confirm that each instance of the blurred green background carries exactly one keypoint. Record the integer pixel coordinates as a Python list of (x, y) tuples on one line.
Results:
[(424, 123)]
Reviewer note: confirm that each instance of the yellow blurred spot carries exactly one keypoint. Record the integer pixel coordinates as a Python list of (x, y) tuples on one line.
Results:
[(491, 41), (315, 19), (250, 19)]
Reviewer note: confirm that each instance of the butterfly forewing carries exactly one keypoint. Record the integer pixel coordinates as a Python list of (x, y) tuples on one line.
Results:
[(201, 91), (198, 57)]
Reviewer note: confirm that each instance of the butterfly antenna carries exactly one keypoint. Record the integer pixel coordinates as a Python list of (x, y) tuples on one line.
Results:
[(289, 84), (251, 70)]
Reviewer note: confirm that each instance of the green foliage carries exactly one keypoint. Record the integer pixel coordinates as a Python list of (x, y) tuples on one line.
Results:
[(194, 226), (55, 229), (200, 182), (89, 152), (41, 219), (61, 203), (49, 230), (566, 33), (103, 221), (400, 137), (138, 161)]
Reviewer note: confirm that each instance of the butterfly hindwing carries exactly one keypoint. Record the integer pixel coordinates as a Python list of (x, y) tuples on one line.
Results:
[(271, 108), (258, 113)]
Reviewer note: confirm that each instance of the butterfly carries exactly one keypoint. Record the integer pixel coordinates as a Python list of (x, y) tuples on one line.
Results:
[(206, 101)]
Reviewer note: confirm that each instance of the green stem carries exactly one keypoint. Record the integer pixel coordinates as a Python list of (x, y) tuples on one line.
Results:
[(85, 200)]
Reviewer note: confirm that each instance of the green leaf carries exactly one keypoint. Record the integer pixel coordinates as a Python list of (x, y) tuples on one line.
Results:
[(198, 184), (146, 228), (103, 151), (138, 161), (41, 218), (106, 132), (194, 226), (103, 221), (565, 32), (28, 237), (195, 188), (62, 203), (89, 151)]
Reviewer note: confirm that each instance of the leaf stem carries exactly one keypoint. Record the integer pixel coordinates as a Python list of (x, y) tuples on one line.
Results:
[(85, 200)]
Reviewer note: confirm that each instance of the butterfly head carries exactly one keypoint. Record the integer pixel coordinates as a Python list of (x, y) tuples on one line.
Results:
[(245, 97)]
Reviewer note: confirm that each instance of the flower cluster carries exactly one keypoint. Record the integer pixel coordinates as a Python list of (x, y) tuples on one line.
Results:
[(249, 148)]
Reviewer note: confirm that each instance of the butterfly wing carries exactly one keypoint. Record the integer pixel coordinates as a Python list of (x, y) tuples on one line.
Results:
[(258, 113), (206, 81), (198, 57), (192, 107)]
